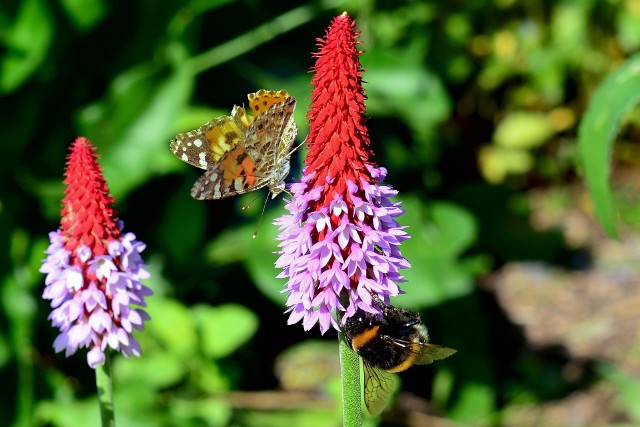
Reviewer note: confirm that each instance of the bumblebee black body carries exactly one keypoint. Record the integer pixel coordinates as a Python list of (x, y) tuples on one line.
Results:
[(389, 342)]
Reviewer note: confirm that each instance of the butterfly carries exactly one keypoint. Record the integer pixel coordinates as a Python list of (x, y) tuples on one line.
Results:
[(242, 152)]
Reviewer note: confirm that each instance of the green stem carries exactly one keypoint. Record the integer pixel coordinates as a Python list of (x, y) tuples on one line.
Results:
[(258, 36), (105, 391), (350, 373), (25, 373), (20, 308)]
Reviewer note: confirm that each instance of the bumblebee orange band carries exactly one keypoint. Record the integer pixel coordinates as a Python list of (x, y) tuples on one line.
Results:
[(409, 361), (360, 340)]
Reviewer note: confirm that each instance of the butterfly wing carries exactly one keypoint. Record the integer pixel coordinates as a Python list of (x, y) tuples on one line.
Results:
[(234, 174), (262, 100), (270, 140), (251, 164), (206, 145)]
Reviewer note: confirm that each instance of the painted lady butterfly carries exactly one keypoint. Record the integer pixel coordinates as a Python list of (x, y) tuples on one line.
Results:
[(242, 153)]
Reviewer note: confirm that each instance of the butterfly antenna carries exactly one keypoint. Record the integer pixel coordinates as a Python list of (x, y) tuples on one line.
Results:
[(245, 207), (255, 233), (297, 147)]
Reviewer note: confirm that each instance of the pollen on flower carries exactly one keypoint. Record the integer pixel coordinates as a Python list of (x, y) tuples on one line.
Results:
[(93, 269), (340, 240)]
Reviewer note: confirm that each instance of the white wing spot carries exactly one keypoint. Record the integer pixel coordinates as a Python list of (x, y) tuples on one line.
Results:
[(185, 158), (197, 143), (203, 160)]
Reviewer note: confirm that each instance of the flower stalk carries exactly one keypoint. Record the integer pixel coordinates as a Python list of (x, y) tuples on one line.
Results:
[(93, 274), (340, 241), (104, 386), (351, 390)]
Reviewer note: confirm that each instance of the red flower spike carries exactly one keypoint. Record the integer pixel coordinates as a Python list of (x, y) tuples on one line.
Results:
[(338, 137), (87, 215)]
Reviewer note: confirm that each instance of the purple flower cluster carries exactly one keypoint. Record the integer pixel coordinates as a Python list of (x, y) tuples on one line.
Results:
[(93, 299), (348, 247), (92, 296)]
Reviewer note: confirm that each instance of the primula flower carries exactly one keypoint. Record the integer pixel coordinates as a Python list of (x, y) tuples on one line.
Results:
[(93, 269), (340, 242)]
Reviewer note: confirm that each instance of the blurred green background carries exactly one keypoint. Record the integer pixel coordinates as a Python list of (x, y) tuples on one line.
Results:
[(473, 108)]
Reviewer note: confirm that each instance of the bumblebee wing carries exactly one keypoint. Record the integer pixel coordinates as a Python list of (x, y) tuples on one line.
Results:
[(379, 385), (425, 353), (430, 352)]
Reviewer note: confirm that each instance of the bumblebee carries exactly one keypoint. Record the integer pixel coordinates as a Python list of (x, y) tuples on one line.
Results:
[(387, 344)]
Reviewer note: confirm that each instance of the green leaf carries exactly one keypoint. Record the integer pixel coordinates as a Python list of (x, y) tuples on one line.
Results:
[(471, 399), (27, 44), (200, 6), (77, 413), (5, 351), (262, 268), (497, 162), (439, 235), (474, 402), (216, 412), (135, 401), (85, 14), (182, 224), (129, 94), (224, 328), (400, 85), (628, 29), (628, 389), (133, 127), (569, 27), (523, 130), (231, 245), (616, 96), (237, 245), (155, 369), (172, 325), (208, 377), (143, 149), (307, 365)]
